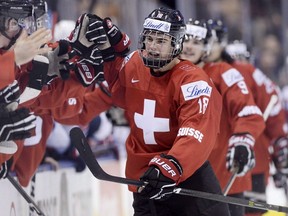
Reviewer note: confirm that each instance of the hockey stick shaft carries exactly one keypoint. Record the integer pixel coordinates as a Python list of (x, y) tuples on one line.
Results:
[(231, 200), (79, 140), (25, 195), (270, 105), (231, 180)]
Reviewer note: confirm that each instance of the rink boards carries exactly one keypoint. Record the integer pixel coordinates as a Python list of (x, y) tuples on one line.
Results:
[(67, 193)]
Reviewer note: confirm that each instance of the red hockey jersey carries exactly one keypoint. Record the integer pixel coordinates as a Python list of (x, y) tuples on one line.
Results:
[(262, 89), (177, 113), (7, 69), (240, 115)]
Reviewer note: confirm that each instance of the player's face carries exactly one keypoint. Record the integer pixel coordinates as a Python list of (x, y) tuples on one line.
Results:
[(215, 53), (158, 46), (12, 29), (193, 50)]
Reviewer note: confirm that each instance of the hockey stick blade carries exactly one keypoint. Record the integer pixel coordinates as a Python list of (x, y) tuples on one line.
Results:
[(79, 140), (30, 201)]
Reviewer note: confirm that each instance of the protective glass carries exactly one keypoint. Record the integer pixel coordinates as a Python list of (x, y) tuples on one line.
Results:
[(43, 21)]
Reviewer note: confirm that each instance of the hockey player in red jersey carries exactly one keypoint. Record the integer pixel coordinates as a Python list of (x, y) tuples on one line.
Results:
[(30, 152), (16, 20), (173, 110), (275, 133), (13, 34), (241, 120)]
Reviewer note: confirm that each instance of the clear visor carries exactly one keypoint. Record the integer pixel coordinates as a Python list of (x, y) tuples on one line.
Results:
[(25, 23), (43, 22)]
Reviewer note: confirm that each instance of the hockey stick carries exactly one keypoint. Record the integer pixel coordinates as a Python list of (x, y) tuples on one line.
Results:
[(25, 195), (270, 105), (79, 140), (231, 180)]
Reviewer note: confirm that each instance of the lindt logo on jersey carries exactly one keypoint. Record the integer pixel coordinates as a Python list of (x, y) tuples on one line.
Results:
[(196, 89), (157, 25)]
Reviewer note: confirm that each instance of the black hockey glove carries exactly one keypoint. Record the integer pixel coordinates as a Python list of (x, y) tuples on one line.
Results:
[(241, 153), (118, 40), (108, 37), (161, 177), (16, 125), (280, 155), (88, 68), (5, 168), (10, 93), (78, 38), (9, 97), (280, 180)]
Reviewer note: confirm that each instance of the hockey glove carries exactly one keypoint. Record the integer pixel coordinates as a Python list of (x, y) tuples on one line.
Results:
[(280, 154), (5, 168), (16, 125), (88, 68), (118, 40), (78, 38), (280, 180), (57, 58), (108, 37), (161, 177), (8, 147), (10, 93), (9, 96), (240, 152)]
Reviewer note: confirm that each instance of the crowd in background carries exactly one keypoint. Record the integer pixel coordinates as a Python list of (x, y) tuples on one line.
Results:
[(258, 23)]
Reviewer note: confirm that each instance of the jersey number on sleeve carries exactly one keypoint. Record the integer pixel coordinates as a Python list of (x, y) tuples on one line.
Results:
[(203, 103)]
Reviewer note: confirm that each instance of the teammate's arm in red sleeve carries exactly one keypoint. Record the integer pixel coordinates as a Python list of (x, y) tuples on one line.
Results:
[(7, 69), (94, 103)]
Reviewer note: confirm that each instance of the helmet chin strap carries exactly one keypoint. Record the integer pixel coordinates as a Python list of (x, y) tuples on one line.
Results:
[(12, 39)]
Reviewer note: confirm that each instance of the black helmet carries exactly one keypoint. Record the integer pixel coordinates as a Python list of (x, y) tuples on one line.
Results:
[(219, 29), (167, 22)]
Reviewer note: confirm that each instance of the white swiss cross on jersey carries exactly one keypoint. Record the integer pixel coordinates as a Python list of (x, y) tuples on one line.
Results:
[(149, 123)]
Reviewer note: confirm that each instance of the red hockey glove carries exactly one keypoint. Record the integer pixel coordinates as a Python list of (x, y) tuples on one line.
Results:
[(161, 177), (241, 153), (280, 155)]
